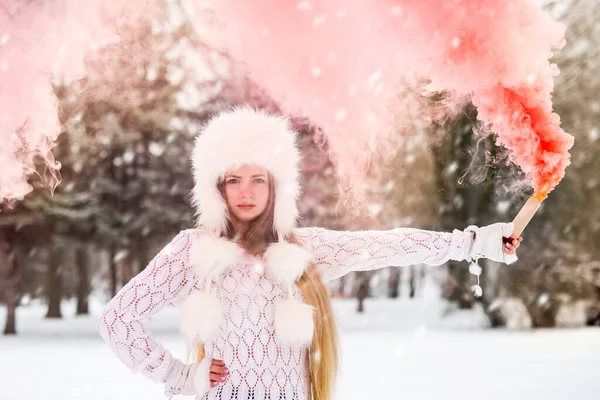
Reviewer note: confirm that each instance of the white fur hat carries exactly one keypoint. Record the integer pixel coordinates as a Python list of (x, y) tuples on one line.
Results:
[(245, 136)]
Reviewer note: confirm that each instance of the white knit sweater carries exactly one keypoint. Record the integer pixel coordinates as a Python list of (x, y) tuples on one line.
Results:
[(260, 367)]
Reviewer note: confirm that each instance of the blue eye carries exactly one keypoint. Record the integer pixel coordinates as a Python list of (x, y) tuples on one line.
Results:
[(259, 180), (232, 180)]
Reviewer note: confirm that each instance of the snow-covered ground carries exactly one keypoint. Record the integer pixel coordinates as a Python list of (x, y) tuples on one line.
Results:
[(399, 349)]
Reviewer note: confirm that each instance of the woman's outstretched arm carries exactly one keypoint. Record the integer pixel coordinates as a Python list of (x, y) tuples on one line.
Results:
[(340, 252)]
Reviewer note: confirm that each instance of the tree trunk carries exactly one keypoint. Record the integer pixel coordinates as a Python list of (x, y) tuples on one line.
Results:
[(126, 268), (142, 255), (54, 284), (461, 293), (413, 281), (489, 284), (394, 283), (83, 286), (361, 305), (463, 204), (10, 294), (341, 290), (9, 285), (10, 328), (363, 290), (112, 269)]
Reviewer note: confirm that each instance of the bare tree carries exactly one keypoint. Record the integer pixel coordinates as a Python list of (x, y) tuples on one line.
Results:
[(83, 284), (9, 280)]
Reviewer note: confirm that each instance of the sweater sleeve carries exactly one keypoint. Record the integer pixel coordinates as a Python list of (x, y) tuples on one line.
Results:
[(168, 276), (340, 252)]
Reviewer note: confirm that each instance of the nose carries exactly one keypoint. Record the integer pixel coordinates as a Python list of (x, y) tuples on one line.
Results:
[(246, 192)]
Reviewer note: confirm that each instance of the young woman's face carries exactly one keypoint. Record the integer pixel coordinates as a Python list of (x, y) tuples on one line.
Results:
[(247, 191)]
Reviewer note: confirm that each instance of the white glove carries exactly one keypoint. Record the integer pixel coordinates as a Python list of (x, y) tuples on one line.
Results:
[(489, 244), (188, 379)]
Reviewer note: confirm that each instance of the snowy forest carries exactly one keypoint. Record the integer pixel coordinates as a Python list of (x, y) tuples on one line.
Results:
[(127, 131)]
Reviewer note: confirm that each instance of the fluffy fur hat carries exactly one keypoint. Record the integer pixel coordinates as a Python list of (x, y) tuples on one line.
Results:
[(245, 136)]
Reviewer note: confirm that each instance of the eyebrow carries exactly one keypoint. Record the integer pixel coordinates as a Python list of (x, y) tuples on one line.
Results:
[(253, 176)]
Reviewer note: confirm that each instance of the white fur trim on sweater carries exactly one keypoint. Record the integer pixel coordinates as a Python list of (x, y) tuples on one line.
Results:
[(210, 255), (488, 242), (286, 262), (294, 322), (202, 314), (202, 376), (245, 136)]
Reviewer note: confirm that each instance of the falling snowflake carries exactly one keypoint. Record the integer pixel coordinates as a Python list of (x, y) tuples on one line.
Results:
[(259, 267)]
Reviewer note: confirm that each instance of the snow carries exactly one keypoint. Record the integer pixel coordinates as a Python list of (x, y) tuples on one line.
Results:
[(375, 209), (399, 349), (502, 206), (543, 299), (572, 314), (513, 311), (156, 149)]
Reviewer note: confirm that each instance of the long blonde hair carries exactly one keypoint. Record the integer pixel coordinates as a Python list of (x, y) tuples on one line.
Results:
[(323, 357)]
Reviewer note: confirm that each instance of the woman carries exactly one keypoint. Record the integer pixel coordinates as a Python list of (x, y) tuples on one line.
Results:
[(256, 313)]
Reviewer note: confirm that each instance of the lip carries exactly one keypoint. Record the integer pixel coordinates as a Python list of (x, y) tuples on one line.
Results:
[(246, 207)]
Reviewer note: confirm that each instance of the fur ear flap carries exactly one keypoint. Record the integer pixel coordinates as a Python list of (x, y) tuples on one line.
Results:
[(210, 207)]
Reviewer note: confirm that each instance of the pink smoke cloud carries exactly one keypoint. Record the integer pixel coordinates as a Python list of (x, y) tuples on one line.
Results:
[(336, 61), (339, 62), (40, 41)]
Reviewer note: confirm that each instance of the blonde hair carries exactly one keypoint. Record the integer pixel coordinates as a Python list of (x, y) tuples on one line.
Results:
[(323, 357)]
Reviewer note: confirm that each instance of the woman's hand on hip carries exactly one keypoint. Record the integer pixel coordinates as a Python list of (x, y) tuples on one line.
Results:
[(218, 372)]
